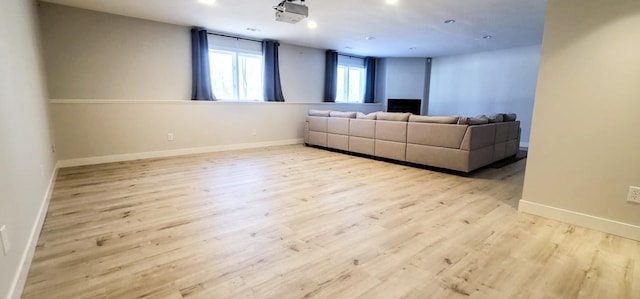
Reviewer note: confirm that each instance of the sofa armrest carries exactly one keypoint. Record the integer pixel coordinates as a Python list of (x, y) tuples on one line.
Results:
[(317, 123), (478, 137)]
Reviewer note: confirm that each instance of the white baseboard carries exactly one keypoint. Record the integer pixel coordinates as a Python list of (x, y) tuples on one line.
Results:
[(170, 153), (20, 279), (597, 223)]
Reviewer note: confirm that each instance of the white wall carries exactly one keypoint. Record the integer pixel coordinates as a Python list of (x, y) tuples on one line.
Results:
[(108, 103), (403, 78), (102, 128), (585, 146), (486, 83), (26, 161)]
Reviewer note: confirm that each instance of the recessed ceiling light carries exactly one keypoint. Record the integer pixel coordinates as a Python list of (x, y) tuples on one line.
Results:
[(369, 37), (450, 21), (312, 24), (252, 29), (392, 2), (487, 37), (207, 2)]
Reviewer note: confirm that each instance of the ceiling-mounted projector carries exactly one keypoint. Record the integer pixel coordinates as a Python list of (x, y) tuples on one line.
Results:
[(290, 12)]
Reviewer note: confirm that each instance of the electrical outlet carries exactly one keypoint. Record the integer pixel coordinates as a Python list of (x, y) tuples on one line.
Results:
[(634, 194), (254, 132), (170, 136), (4, 240)]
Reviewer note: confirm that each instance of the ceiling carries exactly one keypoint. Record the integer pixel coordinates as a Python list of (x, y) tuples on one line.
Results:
[(408, 28)]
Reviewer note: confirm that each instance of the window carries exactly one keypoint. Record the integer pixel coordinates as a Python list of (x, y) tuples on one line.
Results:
[(236, 68), (351, 79)]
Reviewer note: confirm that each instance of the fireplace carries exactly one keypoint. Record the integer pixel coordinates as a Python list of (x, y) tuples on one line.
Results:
[(404, 105)]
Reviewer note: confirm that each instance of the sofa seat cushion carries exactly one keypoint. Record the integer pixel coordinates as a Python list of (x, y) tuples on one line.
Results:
[(362, 145), (336, 141), (317, 138), (499, 151), (392, 116), (438, 157), (390, 149), (443, 135), (512, 148), (449, 158), (434, 119)]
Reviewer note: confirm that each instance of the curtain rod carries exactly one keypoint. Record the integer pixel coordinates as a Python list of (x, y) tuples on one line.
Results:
[(351, 56), (236, 37)]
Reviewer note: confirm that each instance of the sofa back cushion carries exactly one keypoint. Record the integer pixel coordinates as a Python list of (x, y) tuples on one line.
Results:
[(434, 119), (338, 125), (314, 112), (391, 130), (502, 131), (442, 135), (473, 121), (392, 116), (342, 114), (364, 128)]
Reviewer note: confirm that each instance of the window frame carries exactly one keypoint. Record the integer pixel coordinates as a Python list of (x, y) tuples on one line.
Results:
[(237, 48), (349, 63)]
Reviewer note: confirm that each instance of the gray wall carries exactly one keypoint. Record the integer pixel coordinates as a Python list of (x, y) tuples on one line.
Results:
[(121, 84), (585, 146), (486, 83), (92, 55), (402, 78), (26, 161)]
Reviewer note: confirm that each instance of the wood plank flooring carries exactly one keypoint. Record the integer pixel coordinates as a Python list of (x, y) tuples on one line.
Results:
[(299, 222)]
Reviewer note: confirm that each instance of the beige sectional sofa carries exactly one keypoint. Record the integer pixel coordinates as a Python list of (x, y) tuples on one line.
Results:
[(456, 143)]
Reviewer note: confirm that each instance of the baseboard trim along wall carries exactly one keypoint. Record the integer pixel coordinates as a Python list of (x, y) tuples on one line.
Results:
[(20, 277), (601, 224), (170, 153)]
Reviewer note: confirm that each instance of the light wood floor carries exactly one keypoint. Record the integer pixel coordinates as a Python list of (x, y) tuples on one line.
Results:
[(298, 222)]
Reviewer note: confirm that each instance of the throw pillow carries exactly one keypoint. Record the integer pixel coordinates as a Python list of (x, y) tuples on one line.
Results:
[(371, 115), (496, 118), (479, 120), (510, 117)]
